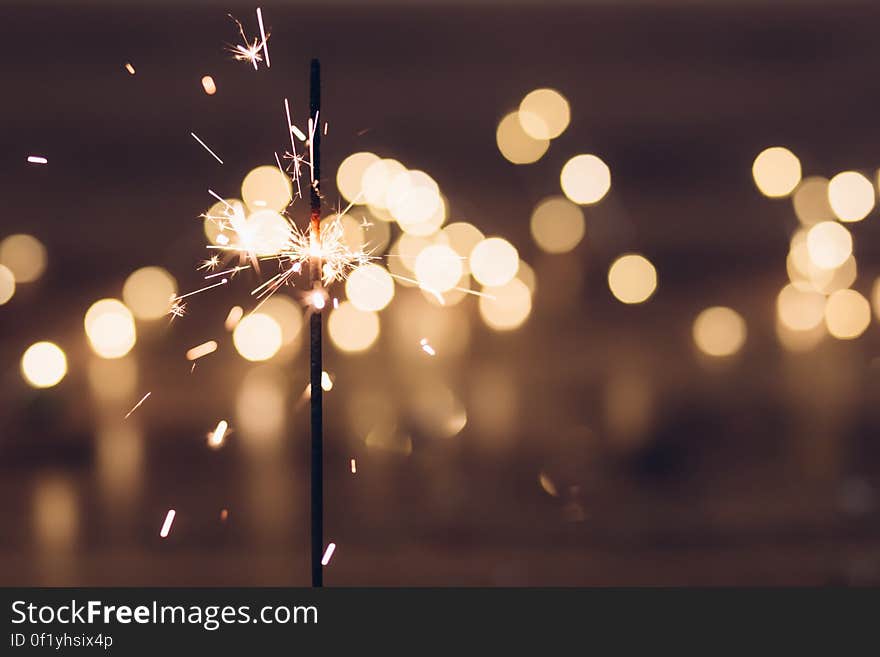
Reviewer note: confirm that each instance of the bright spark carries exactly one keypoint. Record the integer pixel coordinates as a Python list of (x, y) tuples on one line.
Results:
[(215, 438), (210, 264), (206, 147), (247, 51), (264, 37), (37, 159), (166, 526), (136, 406), (428, 349), (354, 467), (129, 68), (328, 554), (202, 350), (233, 318)]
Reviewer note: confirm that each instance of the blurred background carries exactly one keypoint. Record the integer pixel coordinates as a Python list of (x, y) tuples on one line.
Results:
[(672, 378)]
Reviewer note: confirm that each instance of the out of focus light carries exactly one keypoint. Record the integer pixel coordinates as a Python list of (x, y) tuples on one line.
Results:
[(557, 225), (719, 331), (810, 201), (208, 85), (352, 330), (326, 382), (462, 237), (438, 268), (851, 196), (260, 406), (202, 350), (494, 262), (369, 287), (7, 284), (544, 114), (350, 175), (166, 525), (507, 307), (799, 341), (113, 380), (515, 143), (265, 232), (217, 220), (829, 244), (847, 314), (527, 275), (110, 328), (435, 410), (24, 256), (800, 310), (376, 180), (776, 171), (233, 317), (266, 188), (585, 179), (632, 278), (55, 513), (218, 435), (148, 292), (257, 337), (827, 281), (287, 313), (43, 365), (413, 198)]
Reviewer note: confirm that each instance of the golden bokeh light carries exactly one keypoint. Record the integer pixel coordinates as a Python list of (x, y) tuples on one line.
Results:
[(777, 171), (632, 278), (827, 281), (719, 331), (463, 237), (257, 337), (810, 201), (435, 410), (800, 310), (515, 143), (209, 85), (287, 313), (544, 114), (851, 196), (557, 225), (800, 341), (350, 176), (527, 275), (148, 292), (829, 244), (43, 364), (7, 284), (585, 179), (369, 287), (217, 221), (265, 233), (413, 198), (24, 256), (110, 328), (494, 262), (438, 268), (353, 236), (267, 188), (847, 314), (432, 224), (376, 180), (507, 307), (352, 330)]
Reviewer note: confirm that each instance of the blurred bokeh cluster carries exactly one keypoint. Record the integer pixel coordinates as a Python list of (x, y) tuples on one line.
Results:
[(619, 323)]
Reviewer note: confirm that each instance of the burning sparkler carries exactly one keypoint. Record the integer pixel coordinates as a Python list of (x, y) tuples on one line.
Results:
[(247, 51)]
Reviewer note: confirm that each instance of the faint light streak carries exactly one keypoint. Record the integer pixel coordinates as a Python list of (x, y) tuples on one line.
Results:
[(328, 554), (201, 350), (354, 467), (189, 294), (233, 318), (263, 37), (208, 85), (166, 526), (428, 349), (129, 68), (206, 147), (326, 127), (37, 159), (136, 406), (216, 437), (547, 484)]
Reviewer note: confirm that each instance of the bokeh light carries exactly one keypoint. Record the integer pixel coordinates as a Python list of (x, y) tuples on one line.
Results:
[(507, 307), (110, 328), (776, 171), (217, 220), (829, 244), (257, 337), (585, 179), (800, 310), (810, 201), (462, 237), (632, 278), (43, 364), (438, 268), (851, 196), (266, 188), (557, 225), (148, 292), (544, 114), (369, 287), (7, 284), (287, 313), (494, 261), (847, 314), (352, 330), (376, 180), (413, 198), (265, 233), (350, 175), (209, 85), (515, 144), (24, 256), (719, 331)]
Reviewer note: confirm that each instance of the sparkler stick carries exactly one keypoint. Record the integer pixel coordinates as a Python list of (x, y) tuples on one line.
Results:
[(317, 410)]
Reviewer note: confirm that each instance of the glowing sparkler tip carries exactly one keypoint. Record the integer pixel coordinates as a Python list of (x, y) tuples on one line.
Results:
[(317, 300)]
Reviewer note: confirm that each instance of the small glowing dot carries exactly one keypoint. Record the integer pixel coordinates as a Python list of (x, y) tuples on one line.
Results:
[(350, 176), (148, 292), (847, 314), (829, 244), (557, 225), (24, 256), (7, 284), (810, 201), (632, 278), (326, 382), (851, 196), (719, 331), (352, 330), (507, 307), (267, 188), (318, 300), (43, 364), (544, 114), (438, 268), (800, 310), (257, 337), (494, 262), (585, 179), (515, 143), (202, 350), (776, 171), (110, 328), (369, 287), (208, 85), (129, 68)]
